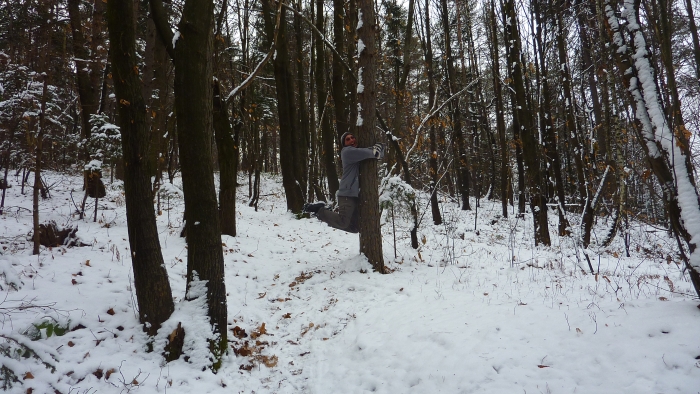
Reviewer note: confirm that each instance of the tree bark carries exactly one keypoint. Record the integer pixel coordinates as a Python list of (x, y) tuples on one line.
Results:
[(153, 293), (324, 112), (228, 163), (88, 82), (530, 146), (666, 151), (399, 128), (156, 86), (301, 139), (38, 150), (338, 86), (458, 135), (570, 122), (694, 34), (370, 231), (433, 162), (286, 110), (193, 105), (499, 107), (547, 129)]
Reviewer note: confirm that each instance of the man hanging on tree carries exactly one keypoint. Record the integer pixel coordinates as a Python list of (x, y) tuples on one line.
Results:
[(351, 156)]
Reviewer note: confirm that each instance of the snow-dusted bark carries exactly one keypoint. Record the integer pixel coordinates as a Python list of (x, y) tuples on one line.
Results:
[(370, 234), (667, 151)]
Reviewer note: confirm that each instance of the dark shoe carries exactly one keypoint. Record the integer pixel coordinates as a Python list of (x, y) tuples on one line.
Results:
[(313, 208)]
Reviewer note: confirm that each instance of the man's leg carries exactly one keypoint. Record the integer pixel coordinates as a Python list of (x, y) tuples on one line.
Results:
[(343, 219)]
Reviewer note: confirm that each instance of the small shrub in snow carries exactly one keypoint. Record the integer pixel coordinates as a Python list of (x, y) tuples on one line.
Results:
[(46, 329), (397, 194), (9, 280)]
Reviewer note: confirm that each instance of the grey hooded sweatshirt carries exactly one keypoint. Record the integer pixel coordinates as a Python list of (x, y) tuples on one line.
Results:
[(351, 158)]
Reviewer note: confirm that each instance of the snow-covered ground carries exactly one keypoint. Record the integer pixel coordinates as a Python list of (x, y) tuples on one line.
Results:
[(477, 309)]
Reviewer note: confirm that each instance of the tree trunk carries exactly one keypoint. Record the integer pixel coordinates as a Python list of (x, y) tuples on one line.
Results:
[(546, 116), (433, 164), (153, 294), (38, 150), (530, 146), (193, 106), (664, 34), (301, 132), (570, 123), (667, 152), (88, 85), (499, 107), (338, 84), (286, 110), (458, 135), (400, 115), (694, 34), (401, 96), (156, 84), (324, 111), (228, 163), (370, 230)]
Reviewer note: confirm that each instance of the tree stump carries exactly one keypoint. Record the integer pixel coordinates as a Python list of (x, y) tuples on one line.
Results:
[(50, 235), (93, 184)]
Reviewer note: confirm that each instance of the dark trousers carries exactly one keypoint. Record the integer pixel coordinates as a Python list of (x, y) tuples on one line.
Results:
[(346, 218)]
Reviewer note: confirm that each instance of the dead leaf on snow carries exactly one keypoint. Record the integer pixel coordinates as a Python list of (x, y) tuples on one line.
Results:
[(260, 331), (269, 361), (239, 332)]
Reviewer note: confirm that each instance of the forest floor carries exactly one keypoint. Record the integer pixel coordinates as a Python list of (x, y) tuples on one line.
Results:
[(476, 309)]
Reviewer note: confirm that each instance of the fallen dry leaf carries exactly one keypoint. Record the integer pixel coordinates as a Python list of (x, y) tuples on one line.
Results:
[(269, 361), (239, 332)]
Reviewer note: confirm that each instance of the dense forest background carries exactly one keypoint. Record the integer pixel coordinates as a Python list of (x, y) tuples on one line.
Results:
[(554, 107)]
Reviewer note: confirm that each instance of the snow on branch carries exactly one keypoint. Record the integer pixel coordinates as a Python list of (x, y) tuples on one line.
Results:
[(656, 134)]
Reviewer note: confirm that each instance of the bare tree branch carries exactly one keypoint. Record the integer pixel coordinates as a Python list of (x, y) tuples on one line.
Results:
[(262, 63)]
